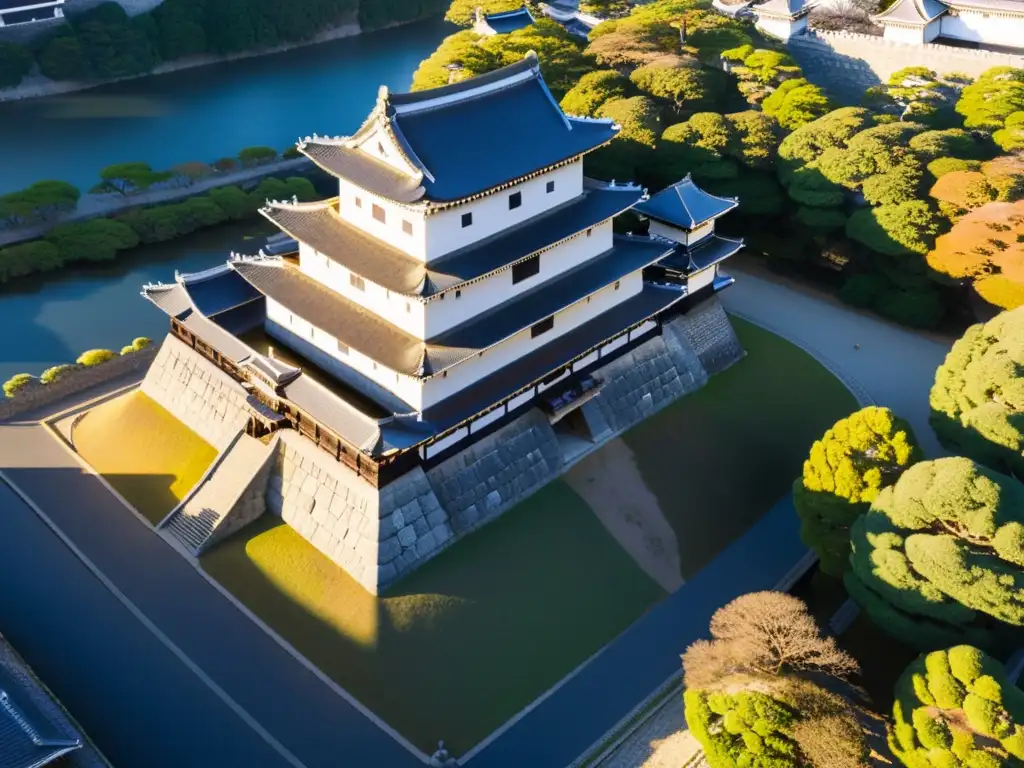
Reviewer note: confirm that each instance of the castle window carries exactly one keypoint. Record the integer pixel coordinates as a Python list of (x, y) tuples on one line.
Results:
[(407, 227), (291, 319), (590, 232), (408, 307), (542, 327), (525, 269), (342, 347), (515, 200), (359, 202), (617, 285), (356, 282), (458, 294), (551, 187), (311, 331), (378, 213), (467, 220), (381, 150)]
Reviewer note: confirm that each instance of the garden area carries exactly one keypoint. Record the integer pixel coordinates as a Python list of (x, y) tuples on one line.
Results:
[(523, 601), (145, 453)]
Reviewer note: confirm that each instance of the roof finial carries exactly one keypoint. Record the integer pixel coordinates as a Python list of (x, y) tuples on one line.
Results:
[(479, 14), (383, 93), (453, 69)]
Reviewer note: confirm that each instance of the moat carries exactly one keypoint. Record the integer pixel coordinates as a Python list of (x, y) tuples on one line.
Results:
[(198, 114)]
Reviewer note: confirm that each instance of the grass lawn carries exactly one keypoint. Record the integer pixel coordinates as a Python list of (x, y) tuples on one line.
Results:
[(466, 641), (150, 457), (720, 458)]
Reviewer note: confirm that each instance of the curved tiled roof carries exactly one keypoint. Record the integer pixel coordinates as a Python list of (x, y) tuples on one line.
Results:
[(911, 12), (465, 139), (509, 21), (685, 205), (789, 9)]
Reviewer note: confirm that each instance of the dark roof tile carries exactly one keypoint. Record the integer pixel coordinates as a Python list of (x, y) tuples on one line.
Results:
[(685, 205)]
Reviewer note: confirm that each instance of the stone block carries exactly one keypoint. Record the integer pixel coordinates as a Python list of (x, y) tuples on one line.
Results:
[(396, 522), (337, 505), (388, 550), (442, 534), (412, 510), (386, 574), (437, 517), (323, 499), (407, 536), (310, 486), (425, 544), (323, 540), (304, 503), (420, 526), (492, 500)]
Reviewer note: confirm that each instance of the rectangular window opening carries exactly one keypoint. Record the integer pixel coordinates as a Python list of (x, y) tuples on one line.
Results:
[(359, 202), (342, 347), (407, 227), (378, 214), (356, 281), (551, 187), (515, 200), (467, 220), (590, 232), (525, 269), (458, 294), (542, 327), (617, 284)]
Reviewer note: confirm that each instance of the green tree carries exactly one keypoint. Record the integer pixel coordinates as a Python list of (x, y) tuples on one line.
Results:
[(847, 468), (593, 90), (235, 203), (192, 172), (901, 184), (977, 401), (51, 375), (831, 131), (940, 556), (95, 357), (129, 178), (795, 103), (116, 45), (754, 139), (562, 61), (28, 258), (16, 383), (895, 230), (605, 8), (875, 150), (252, 156), (15, 63), (943, 165), (46, 199), (633, 149), (93, 240), (992, 98), (955, 707), (64, 58), (181, 30), (952, 142), (683, 87), (462, 50)]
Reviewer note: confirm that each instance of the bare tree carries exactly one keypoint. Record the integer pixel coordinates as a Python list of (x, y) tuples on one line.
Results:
[(767, 634)]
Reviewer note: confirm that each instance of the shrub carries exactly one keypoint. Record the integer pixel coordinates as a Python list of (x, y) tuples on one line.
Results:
[(16, 383), (50, 375), (226, 165), (846, 470), (127, 350), (251, 156), (292, 153), (940, 556), (141, 342), (95, 357), (939, 718)]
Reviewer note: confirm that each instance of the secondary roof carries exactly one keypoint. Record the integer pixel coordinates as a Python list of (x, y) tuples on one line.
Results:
[(685, 205)]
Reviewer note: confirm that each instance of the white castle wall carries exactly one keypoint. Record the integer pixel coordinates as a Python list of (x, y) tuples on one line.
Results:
[(847, 63), (681, 236), (356, 207), (991, 28)]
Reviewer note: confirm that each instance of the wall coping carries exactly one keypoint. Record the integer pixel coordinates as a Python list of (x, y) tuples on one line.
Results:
[(823, 36)]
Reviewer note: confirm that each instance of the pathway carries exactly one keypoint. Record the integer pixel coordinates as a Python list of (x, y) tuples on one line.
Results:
[(94, 206)]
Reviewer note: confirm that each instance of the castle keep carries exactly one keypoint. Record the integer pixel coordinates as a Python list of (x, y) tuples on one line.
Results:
[(411, 358)]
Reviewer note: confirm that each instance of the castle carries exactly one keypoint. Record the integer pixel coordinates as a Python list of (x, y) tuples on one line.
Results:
[(443, 337)]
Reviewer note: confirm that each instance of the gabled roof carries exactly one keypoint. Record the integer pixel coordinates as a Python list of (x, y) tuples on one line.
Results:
[(915, 12), (786, 9), (14, 5), (685, 205), (319, 226), (402, 352), (29, 736), (709, 251), (509, 21), (1001, 6), (465, 139)]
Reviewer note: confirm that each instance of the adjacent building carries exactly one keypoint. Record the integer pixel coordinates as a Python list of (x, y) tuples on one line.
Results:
[(502, 23), (14, 12), (465, 279), (782, 19), (995, 23)]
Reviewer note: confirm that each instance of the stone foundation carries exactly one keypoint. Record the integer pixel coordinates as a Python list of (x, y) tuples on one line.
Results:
[(197, 393), (251, 504), (379, 536)]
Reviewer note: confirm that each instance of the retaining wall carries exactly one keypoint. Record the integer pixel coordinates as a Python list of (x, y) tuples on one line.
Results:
[(197, 393), (35, 395), (848, 63)]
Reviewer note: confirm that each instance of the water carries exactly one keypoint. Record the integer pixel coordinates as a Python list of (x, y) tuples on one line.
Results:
[(210, 112), (198, 114)]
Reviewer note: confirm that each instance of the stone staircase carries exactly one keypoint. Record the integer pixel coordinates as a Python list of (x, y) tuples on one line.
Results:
[(231, 485)]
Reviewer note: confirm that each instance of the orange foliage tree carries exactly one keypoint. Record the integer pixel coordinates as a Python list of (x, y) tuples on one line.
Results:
[(986, 247)]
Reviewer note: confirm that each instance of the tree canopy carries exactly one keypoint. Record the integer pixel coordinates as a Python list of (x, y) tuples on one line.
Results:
[(128, 178), (992, 98), (939, 556), (956, 707), (795, 103), (463, 12), (15, 63), (593, 90), (847, 468), (977, 401)]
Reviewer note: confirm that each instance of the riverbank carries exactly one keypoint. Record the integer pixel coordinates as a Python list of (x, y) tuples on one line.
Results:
[(95, 206), (37, 86)]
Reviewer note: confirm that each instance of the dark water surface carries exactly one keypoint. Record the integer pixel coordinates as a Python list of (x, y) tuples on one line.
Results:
[(197, 114)]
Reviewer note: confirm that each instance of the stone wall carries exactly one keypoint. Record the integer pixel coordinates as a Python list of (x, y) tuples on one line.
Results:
[(197, 393), (376, 537), (133, 7), (480, 482), (711, 335), (35, 395), (848, 63), (252, 502)]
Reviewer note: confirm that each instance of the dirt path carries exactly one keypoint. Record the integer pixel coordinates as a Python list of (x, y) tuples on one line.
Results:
[(610, 482)]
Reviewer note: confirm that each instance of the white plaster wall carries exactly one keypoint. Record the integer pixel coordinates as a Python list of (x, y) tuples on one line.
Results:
[(783, 29), (705, 277), (681, 236), (392, 155), (476, 298), (491, 214), (994, 29), (390, 230), (408, 388), (405, 312), (475, 368), (906, 35)]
